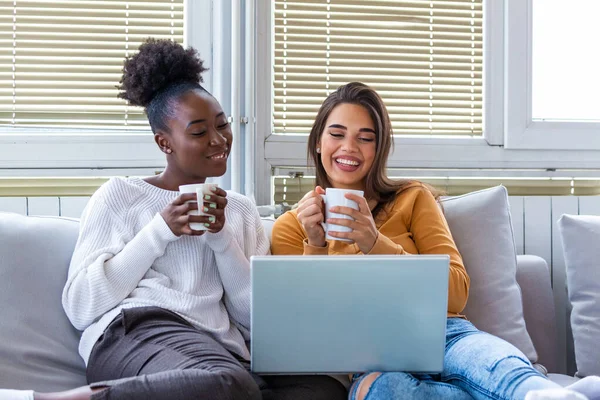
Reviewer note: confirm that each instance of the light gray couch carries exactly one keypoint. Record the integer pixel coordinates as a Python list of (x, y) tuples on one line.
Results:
[(38, 345)]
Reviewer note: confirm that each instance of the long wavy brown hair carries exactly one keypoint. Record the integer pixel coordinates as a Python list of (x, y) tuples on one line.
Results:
[(377, 184)]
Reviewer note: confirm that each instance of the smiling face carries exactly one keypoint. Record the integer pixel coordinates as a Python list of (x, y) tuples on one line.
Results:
[(199, 140), (347, 146)]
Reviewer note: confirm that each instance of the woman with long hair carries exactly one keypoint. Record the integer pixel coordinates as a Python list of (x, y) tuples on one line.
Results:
[(349, 145)]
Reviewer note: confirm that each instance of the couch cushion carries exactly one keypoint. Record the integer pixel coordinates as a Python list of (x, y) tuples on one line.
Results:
[(580, 235), (563, 380), (267, 223), (481, 226), (38, 349), (533, 276)]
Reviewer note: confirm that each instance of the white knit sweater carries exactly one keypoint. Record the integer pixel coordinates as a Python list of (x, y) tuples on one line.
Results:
[(127, 256)]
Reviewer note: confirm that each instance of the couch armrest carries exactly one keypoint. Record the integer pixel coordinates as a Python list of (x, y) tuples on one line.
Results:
[(533, 277)]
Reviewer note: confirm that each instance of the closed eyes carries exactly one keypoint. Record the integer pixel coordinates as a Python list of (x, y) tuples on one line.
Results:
[(362, 139)]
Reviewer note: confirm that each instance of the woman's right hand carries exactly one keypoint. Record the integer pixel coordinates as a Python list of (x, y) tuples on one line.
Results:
[(311, 214), (175, 215)]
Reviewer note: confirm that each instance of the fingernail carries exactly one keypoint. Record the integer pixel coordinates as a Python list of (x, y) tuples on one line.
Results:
[(212, 205), (212, 219), (205, 209), (213, 189), (207, 197), (207, 225)]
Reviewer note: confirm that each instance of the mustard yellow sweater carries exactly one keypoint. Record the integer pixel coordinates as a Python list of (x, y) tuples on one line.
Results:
[(413, 224)]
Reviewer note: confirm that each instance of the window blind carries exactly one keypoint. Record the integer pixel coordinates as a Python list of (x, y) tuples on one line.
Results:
[(423, 57), (291, 189), (60, 61)]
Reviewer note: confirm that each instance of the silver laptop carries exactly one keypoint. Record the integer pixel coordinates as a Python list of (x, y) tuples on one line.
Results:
[(343, 314)]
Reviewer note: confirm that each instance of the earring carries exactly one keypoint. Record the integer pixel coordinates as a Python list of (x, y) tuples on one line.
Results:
[(318, 150), (168, 151)]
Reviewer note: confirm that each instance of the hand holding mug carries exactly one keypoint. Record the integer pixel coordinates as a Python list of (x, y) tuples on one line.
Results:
[(200, 208), (332, 198), (311, 216), (214, 207), (177, 214), (361, 228)]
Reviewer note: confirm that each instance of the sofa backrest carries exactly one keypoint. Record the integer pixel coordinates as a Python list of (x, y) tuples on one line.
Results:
[(38, 349), (38, 346)]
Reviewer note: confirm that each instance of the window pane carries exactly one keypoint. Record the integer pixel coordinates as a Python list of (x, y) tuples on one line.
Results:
[(291, 189), (566, 60), (423, 57), (61, 60)]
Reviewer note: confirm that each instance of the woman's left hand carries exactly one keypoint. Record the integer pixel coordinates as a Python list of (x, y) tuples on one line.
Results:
[(364, 231), (214, 205)]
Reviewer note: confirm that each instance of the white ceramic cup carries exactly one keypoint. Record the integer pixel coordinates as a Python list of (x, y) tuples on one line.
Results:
[(336, 197), (200, 189)]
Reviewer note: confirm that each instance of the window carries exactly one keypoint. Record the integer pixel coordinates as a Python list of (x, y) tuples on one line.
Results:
[(61, 60), (291, 188), (59, 64), (423, 57), (565, 79), (552, 79), (293, 38)]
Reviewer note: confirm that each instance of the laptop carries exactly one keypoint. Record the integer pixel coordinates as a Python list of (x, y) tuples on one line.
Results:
[(345, 314)]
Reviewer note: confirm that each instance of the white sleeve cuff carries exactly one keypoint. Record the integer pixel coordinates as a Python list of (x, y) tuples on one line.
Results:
[(162, 230), (219, 241)]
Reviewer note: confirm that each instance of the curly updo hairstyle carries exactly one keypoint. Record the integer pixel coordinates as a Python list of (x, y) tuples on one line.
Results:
[(157, 76)]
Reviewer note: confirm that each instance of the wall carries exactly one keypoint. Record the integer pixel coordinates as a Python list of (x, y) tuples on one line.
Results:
[(70, 206)]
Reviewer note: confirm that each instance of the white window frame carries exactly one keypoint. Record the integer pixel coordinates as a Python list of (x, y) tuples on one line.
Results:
[(60, 152), (522, 132), (504, 143)]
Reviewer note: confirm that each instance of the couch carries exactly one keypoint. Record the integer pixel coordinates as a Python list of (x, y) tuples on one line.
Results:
[(38, 345)]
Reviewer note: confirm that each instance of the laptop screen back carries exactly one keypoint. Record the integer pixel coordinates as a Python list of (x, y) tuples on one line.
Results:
[(345, 314)]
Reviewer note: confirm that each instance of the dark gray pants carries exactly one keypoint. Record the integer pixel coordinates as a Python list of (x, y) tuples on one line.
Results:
[(151, 353)]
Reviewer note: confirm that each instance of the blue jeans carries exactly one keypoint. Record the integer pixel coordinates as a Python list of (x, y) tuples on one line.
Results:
[(476, 365)]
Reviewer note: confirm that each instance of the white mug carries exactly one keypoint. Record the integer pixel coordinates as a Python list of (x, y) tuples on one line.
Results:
[(336, 197), (200, 189)]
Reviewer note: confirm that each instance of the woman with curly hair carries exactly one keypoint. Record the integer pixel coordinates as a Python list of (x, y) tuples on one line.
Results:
[(165, 309)]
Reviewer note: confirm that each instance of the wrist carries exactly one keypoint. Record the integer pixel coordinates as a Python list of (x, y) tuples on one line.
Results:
[(317, 243), (166, 231), (310, 249), (219, 241), (368, 250)]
